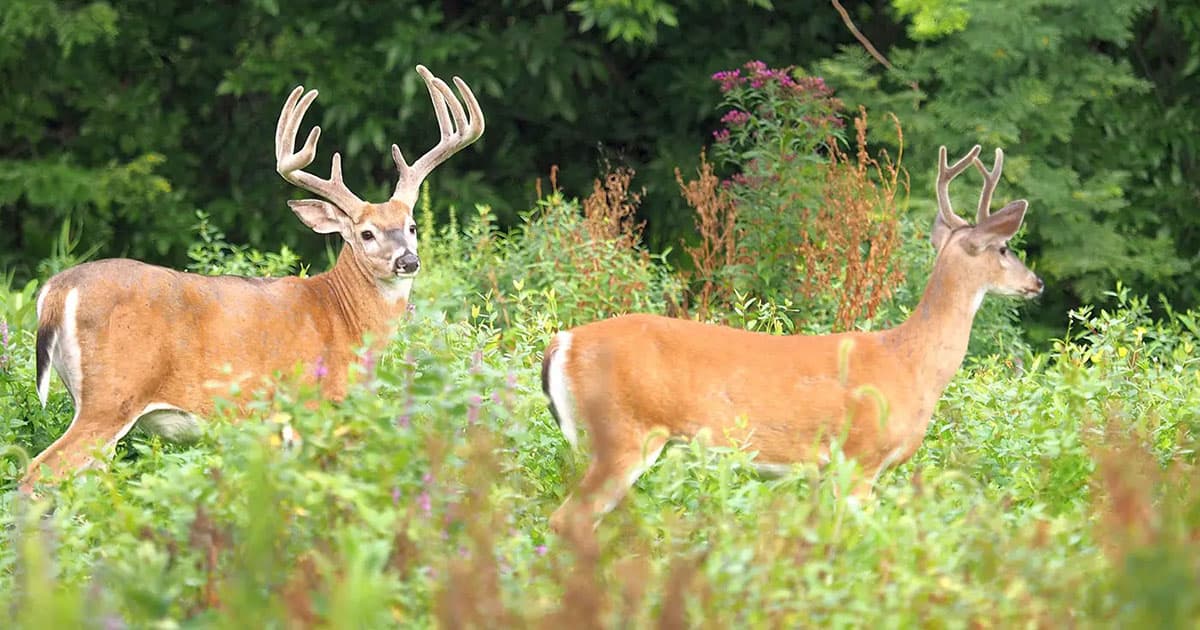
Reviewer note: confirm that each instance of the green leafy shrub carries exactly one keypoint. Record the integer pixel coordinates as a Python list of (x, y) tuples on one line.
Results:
[(774, 136), (567, 264), (422, 499)]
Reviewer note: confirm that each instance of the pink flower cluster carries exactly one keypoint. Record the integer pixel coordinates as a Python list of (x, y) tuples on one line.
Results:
[(758, 75), (4, 356), (735, 118)]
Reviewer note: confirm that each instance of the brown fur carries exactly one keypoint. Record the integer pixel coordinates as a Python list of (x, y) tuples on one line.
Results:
[(785, 397), (149, 335)]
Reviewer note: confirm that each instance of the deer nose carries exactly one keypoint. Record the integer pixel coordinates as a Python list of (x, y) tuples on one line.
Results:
[(407, 263)]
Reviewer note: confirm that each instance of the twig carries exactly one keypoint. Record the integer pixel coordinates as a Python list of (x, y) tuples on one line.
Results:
[(862, 39)]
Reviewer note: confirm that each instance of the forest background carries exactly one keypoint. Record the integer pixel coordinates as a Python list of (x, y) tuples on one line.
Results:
[(120, 120)]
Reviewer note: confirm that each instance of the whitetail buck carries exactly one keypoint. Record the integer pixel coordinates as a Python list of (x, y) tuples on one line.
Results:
[(142, 345), (638, 381)]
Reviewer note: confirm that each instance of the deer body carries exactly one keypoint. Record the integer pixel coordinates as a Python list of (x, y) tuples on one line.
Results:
[(639, 381), (141, 345)]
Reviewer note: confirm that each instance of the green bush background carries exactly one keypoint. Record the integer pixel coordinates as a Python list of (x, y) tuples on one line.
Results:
[(124, 118)]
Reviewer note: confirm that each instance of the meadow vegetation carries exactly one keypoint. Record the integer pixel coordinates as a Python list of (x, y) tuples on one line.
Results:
[(1055, 487)]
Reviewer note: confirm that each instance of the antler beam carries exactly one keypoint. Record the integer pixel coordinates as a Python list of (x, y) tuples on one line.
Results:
[(289, 163), (990, 179), (946, 174), (458, 129)]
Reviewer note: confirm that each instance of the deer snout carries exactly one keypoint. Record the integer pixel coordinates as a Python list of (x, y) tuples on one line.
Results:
[(407, 263), (1036, 288)]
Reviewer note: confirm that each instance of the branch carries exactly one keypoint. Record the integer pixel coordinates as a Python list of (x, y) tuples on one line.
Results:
[(862, 39)]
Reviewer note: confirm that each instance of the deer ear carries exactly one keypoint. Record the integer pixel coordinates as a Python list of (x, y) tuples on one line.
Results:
[(999, 227), (940, 234), (322, 216)]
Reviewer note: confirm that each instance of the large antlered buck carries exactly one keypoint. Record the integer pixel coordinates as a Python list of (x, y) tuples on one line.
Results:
[(137, 344), (638, 381)]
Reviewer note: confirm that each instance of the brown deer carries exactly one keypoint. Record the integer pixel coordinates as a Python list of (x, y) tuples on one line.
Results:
[(638, 381), (140, 345)]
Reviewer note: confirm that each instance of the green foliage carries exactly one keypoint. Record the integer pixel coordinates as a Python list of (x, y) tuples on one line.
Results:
[(211, 254), (932, 19), (627, 20), (126, 117), (547, 271), (774, 137), (435, 477), (1051, 83)]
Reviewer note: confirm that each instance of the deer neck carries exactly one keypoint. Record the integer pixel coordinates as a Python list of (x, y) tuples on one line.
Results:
[(365, 303), (938, 331)]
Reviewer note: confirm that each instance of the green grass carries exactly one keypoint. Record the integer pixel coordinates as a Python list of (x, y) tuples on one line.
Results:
[(1053, 489)]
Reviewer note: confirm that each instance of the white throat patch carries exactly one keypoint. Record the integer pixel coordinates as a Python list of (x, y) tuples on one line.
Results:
[(396, 289)]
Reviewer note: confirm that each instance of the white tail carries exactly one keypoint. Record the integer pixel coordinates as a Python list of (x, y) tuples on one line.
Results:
[(637, 381), (137, 344)]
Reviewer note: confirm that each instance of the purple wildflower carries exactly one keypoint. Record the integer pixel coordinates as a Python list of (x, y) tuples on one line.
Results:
[(721, 136), (425, 502), (369, 361), (395, 495), (728, 79), (540, 550), (473, 405), (404, 421), (4, 356), (319, 369), (735, 118), (476, 361)]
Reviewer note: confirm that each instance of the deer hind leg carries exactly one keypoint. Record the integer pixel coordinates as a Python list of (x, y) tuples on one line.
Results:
[(614, 468), (91, 429)]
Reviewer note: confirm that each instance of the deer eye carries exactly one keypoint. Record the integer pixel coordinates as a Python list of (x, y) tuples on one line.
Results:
[(412, 229), (1003, 250), (368, 235)]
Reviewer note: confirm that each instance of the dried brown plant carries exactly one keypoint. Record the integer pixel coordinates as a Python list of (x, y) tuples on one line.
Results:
[(853, 238), (716, 222), (610, 212)]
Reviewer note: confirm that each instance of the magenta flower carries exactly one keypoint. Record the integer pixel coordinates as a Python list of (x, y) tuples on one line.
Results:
[(4, 356), (369, 361), (425, 502), (476, 361), (473, 405), (728, 79), (540, 550), (319, 370), (735, 118)]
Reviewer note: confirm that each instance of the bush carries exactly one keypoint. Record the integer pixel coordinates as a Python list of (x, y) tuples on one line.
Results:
[(423, 499)]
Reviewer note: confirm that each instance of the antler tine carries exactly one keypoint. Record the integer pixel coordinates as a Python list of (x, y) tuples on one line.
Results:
[(290, 164), (458, 129), (990, 179), (946, 173)]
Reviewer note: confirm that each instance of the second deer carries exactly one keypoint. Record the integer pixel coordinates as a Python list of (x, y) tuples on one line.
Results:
[(140, 345), (636, 382)]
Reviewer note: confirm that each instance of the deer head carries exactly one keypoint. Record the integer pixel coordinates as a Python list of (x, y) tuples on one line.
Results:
[(980, 252), (382, 236)]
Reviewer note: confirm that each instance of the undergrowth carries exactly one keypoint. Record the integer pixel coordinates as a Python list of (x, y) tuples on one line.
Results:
[(1053, 488)]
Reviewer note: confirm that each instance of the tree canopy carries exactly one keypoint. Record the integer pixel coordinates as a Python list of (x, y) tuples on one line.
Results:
[(122, 119)]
